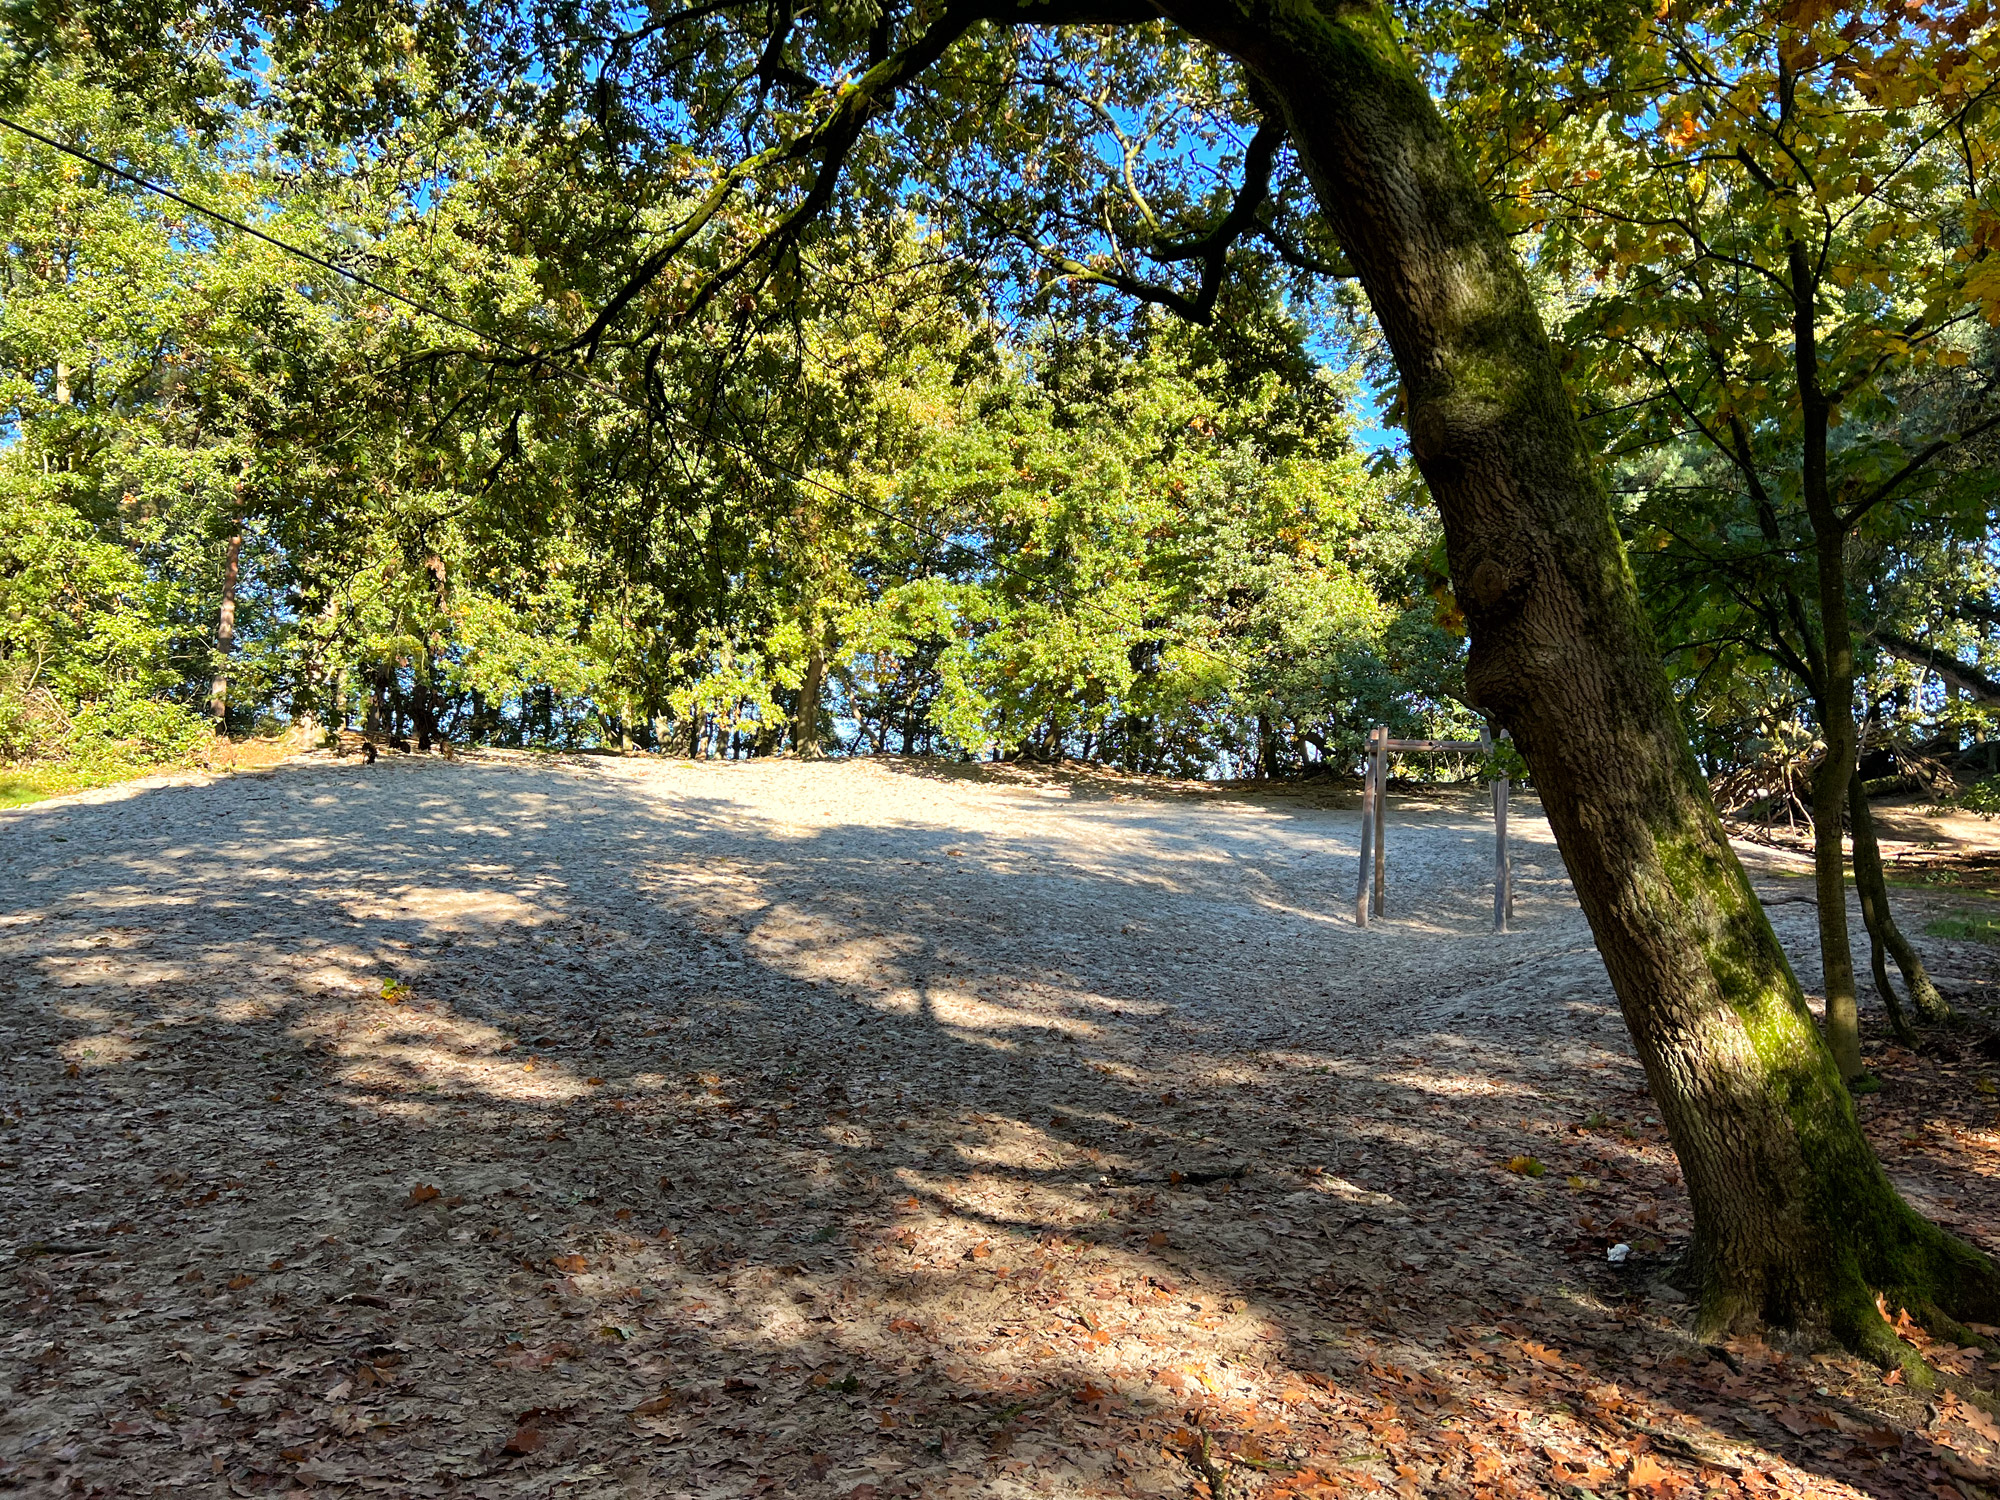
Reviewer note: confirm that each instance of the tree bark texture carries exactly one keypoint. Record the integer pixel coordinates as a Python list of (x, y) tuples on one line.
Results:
[(1796, 1224), (225, 630), (1874, 910), (1872, 882), (1836, 686)]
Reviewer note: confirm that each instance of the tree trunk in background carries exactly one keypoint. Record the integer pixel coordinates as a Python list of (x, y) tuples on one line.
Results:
[(1267, 749), (225, 631), (812, 687), (1872, 882), (375, 719), (1796, 1224), (423, 707)]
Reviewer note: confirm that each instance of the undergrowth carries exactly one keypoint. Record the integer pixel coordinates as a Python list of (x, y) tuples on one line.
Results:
[(1966, 926)]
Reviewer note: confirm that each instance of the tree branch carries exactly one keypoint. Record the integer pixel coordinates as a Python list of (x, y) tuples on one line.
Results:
[(1966, 679)]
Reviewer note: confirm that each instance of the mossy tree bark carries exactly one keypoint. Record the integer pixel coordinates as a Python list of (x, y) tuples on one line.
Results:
[(1796, 1225)]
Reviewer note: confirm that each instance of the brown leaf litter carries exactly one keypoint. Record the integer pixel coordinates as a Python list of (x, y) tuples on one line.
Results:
[(623, 1128)]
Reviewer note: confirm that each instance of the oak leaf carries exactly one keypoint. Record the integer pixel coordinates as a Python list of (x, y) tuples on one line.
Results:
[(1646, 1474)]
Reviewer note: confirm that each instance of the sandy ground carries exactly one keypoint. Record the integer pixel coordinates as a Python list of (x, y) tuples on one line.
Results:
[(507, 1127)]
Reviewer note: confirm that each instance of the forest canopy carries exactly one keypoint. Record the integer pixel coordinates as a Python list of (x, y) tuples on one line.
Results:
[(1071, 441), (897, 514)]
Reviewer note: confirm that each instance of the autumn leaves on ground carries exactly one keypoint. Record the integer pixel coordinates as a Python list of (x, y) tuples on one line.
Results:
[(606, 1127)]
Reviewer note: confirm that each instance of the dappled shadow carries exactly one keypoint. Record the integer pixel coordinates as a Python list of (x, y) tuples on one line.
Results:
[(734, 1129)]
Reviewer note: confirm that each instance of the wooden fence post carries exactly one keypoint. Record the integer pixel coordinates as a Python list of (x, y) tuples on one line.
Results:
[(1506, 851), (1381, 813), (1367, 831), (1503, 869)]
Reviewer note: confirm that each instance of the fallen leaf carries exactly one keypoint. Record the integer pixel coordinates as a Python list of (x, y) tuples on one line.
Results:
[(1645, 1474), (1526, 1166), (525, 1440), (423, 1192), (654, 1406), (1981, 1423)]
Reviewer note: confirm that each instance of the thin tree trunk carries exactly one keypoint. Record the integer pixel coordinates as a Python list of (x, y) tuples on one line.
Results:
[(225, 630), (1872, 882), (1836, 700), (1874, 910), (423, 707), (1796, 1224)]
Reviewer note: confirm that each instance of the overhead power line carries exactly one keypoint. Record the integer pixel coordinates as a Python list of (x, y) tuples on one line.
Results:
[(574, 372)]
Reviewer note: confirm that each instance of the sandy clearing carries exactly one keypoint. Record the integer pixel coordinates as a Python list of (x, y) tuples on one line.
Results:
[(762, 1073)]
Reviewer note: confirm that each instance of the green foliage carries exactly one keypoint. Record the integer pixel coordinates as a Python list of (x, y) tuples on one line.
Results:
[(1966, 927), (1982, 797), (1132, 541), (1703, 182)]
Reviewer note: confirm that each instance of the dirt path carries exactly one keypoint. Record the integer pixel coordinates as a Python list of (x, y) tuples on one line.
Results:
[(622, 1128)]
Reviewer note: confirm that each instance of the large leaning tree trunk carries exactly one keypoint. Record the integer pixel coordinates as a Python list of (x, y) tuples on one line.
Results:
[(1796, 1226)]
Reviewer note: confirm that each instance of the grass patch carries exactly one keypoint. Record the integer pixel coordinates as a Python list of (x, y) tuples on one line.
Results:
[(36, 781), (1967, 927), (20, 785)]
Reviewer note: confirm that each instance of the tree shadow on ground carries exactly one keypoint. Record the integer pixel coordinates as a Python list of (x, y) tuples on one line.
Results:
[(493, 1130)]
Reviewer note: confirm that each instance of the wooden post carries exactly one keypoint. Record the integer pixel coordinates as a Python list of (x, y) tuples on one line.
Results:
[(1381, 813), (1503, 869), (1367, 831), (1507, 851)]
